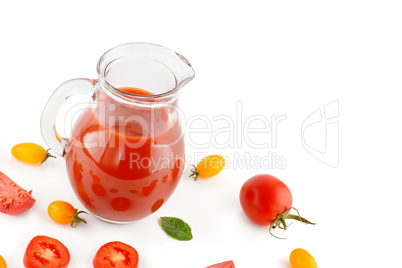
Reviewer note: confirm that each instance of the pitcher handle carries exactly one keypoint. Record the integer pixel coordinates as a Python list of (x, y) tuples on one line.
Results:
[(80, 86)]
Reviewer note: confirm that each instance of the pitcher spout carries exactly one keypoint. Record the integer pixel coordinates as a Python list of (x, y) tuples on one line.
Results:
[(187, 74)]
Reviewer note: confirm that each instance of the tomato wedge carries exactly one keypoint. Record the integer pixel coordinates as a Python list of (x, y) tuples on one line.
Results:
[(44, 251), (226, 264), (116, 254), (13, 199)]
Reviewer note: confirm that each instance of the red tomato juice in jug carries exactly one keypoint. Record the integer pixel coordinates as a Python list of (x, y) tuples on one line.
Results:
[(125, 161)]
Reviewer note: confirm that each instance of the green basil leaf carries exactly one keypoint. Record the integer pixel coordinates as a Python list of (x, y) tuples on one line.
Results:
[(176, 228)]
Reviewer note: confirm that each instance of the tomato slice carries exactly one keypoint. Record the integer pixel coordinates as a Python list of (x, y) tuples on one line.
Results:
[(44, 251), (226, 264), (13, 199), (116, 255)]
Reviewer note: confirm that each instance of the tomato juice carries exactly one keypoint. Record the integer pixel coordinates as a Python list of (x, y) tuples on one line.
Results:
[(125, 160)]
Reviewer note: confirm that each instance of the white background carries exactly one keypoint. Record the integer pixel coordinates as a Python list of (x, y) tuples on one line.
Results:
[(275, 57)]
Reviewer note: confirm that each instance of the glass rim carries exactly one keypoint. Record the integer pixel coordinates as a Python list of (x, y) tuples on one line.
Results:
[(103, 63)]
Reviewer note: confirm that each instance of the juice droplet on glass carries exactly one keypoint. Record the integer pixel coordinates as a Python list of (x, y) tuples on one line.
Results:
[(98, 189), (157, 205), (113, 191), (120, 204)]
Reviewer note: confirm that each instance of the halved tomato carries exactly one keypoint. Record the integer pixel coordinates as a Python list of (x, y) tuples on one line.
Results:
[(116, 254), (13, 199), (226, 264), (44, 251)]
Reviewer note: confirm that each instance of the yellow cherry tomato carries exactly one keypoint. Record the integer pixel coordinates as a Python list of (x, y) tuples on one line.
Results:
[(30, 153), (64, 213), (2, 262), (300, 258), (208, 167)]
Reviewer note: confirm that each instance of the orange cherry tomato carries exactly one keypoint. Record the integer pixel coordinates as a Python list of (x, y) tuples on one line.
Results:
[(300, 258), (30, 153), (2, 262), (64, 213), (208, 167)]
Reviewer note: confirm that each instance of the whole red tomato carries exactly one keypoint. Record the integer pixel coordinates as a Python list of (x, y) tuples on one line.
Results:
[(44, 251), (267, 201), (262, 197)]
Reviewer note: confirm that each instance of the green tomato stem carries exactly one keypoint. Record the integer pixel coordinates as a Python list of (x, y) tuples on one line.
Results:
[(77, 218), (47, 156), (281, 218), (194, 173)]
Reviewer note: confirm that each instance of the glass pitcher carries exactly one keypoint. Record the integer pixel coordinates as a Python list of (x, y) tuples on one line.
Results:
[(125, 152)]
